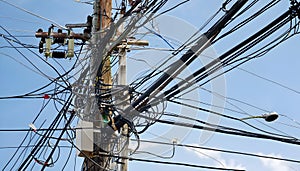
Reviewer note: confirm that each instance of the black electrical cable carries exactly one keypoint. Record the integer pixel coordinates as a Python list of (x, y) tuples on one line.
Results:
[(16, 151), (70, 152), (43, 139), (42, 150), (249, 19), (222, 115), (172, 163), (260, 11), (151, 75), (259, 39), (17, 41), (243, 111), (172, 8), (284, 18), (147, 77), (21, 47), (29, 94), (86, 155), (233, 132), (60, 76), (227, 130), (109, 34), (159, 156), (247, 58), (60, 136), (211, 105), (28, 146), (243, 11), (187, 58), (58, 153), (24, 150), (224, 9), (22, 54), (180, 164), (46, 139), (221, 150)]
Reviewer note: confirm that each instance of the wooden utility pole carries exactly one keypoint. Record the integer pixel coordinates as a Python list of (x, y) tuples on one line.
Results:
[(102, 140), (101, 22), (104, 20)]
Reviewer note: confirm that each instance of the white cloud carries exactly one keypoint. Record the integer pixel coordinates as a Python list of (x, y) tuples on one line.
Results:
[(221, 161), (206, 154), (216, 156), (232, 164), (275, 165)]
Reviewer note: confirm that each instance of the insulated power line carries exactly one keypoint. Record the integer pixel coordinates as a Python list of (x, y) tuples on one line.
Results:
[(220, 150), (227, 130), (62, 101), (29, 146), (172, 163), (36, 15), (228, 56)]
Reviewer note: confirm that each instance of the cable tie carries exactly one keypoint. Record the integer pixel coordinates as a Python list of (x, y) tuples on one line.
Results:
[(46, 96)]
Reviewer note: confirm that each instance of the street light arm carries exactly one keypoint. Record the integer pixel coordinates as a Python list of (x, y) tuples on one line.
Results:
[(269, 117)]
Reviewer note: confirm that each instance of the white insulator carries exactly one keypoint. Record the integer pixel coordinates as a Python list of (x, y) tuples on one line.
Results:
[(70, 52), (48, 47)]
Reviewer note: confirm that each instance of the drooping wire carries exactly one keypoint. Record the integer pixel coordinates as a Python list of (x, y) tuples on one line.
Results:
[(36, 15), (220, 150), (229, 131), (173, 163), (248, 20)]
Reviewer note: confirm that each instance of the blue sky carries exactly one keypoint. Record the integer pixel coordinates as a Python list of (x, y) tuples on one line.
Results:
[(281, 65)]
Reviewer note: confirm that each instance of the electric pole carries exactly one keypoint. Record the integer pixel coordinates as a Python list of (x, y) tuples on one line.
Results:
[(103, 114), (122, 81), (101, 21), (103, 138)]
